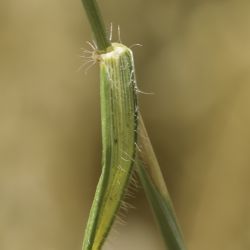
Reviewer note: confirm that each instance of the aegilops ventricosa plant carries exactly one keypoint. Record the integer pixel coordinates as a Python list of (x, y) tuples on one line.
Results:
[(125, 143)]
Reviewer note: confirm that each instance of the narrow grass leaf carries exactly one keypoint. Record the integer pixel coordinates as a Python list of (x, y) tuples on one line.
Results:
[(156, 191)]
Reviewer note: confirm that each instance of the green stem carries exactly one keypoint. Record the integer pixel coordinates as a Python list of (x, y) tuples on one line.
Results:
[(156, 191), (97, 24)]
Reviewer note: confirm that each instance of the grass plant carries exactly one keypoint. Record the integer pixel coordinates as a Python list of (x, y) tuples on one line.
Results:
[(126, 146)]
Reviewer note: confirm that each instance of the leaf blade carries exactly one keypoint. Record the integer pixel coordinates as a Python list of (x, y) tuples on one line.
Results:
[(156, 192)]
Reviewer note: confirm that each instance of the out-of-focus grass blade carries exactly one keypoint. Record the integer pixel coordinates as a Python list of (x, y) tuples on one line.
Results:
[(156, 191)]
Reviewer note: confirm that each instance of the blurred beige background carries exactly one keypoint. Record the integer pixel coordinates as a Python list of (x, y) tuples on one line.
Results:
[(195, 58)]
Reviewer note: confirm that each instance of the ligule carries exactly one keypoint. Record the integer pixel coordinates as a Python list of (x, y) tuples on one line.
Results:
[(119, 126)]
